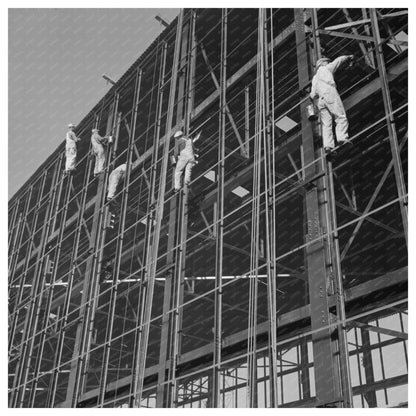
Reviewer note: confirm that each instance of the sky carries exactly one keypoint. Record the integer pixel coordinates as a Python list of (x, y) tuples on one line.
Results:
[(55, 62)]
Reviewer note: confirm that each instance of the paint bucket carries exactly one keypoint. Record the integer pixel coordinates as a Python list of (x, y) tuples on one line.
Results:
[(312, 113)]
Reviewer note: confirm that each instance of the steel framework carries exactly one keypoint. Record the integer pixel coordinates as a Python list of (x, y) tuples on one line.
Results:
[(278, 278)]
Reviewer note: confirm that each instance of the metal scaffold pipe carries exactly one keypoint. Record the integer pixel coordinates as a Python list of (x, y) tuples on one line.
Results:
[(151, 261), (391, 125), (216, 396)]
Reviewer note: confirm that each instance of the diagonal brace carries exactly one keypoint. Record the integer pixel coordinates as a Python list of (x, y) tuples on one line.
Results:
[(227, 109)]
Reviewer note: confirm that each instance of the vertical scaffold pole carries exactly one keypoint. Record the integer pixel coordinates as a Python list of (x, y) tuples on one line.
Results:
[(183, 224), (150, 220), (79, 362), (391, 125), (31, 320), (151, 260), (15, 309), (53, 384), (113, 125), (47, 307), (165, 385), (220, 222), (270, 196), (119, 245), (15, 253), (255, 224)]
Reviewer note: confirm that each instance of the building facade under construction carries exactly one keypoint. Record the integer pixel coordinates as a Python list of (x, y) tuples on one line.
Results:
[(276, 278)]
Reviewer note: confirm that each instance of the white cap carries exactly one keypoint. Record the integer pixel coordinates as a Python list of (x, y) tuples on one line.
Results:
[(71, 125), (94, 130), (179, 133)]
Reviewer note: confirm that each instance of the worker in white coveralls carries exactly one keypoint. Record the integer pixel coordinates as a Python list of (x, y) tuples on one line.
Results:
[(114, 179), (184, 157), (329, 103), (71, 149), (98, 143)]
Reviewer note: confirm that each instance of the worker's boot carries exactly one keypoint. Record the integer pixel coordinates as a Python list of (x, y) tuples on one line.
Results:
[(330, 153)]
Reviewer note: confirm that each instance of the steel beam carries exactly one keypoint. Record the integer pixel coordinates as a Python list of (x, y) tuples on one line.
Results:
[(326, 382), (379, 330)]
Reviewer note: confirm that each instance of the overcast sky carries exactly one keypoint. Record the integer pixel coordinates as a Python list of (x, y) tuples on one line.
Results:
[(56, 58)]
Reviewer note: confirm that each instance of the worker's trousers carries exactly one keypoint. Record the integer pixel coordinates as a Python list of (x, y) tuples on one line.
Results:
[(185, 162), (99, 160), (71, 157), (113, 181), (332, 108)]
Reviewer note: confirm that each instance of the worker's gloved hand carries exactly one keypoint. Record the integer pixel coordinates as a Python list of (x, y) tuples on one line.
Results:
[(110, 139), (173, 160)]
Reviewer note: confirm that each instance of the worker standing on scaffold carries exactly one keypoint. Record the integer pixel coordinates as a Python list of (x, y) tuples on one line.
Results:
[(329, 104), (184, 157), (97, 143), (71, 149)]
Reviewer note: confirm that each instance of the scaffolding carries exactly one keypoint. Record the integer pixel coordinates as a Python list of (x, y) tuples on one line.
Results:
[(277, 278)]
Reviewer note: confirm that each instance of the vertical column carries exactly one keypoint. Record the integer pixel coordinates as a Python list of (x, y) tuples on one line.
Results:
[(324, 362), (304, 373), (370, 395), (219, 225), (336, 272)]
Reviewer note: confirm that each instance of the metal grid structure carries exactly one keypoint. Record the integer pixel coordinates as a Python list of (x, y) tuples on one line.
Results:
[(278, 278)]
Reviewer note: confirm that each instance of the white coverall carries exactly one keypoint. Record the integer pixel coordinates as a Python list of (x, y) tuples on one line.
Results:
[(330, 104), (115, 177), (97, 147), (71, 151), (185, 160)]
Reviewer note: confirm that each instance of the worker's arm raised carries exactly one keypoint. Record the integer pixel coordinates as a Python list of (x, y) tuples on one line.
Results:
[(197, 137), (336, 63)]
